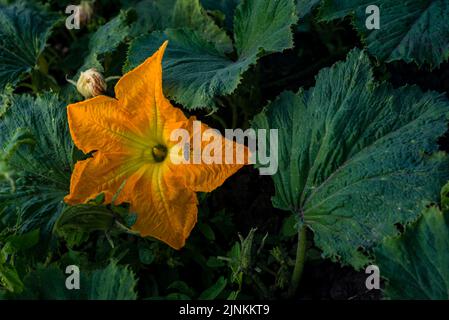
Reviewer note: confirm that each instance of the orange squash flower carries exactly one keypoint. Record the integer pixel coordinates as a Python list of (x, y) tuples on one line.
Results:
[(130, 138)]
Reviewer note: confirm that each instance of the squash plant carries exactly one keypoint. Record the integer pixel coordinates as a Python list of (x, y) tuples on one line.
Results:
[(90, 93)]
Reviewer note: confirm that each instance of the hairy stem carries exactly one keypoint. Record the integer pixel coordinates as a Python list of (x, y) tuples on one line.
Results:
[(299, 261)]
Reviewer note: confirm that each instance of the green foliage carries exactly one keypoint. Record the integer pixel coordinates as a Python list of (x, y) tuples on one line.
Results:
[(151, 15), (19, 138), (225, 7), (195, 72), (361, 161), (415, 264), (155, 15), (356, 157), (190, 14), (413, 31), (304, 7), (214, 291), (105, 40), (263, 25), (445, 198), (12, 245), (24, 30), (77, 222), (113, 282), (46, 283), (87, 218), (42, 168)]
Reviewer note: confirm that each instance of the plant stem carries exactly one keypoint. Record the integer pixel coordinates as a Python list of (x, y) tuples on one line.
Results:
[(299, 261), (111, 78)]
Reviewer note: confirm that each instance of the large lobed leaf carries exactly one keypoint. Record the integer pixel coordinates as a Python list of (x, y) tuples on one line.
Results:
[(356, 157), (196, 70), (105, 40), (114, 282), (410, 30), (24, 31), (416, 264), (263, 25), (42, 170), (158, 15)]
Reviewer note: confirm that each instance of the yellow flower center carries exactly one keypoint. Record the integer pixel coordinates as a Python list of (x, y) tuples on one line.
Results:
[(159, 153)]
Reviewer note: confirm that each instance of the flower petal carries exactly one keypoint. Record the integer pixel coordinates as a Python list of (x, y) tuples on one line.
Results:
[(98, 124), (164, 210), (140, 93), (104, 173), (205, 175)]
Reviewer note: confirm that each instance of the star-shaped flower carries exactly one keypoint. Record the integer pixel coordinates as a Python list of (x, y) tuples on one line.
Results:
[(132, 155)]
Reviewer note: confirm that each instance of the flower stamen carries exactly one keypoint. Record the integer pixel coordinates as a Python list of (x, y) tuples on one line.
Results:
[(159, 153)]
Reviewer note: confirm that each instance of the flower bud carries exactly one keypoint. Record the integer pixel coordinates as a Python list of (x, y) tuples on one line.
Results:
[(91, 83), (86, 11)]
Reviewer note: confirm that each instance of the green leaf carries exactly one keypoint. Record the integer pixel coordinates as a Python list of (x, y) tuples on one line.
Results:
[(105, 40), (48, 283), (356, 157), (9, 278), (304, 7), (77, 222), (16, 243), (182, 288), (227, 7), (24, 31), (42, 171), (414, 31), (263, 25), (195, 72), (85, 218), (157, 15), (20, 137), (214, 262), (190, 14), (233, 295), (78, 258), (152, 15), (290, 226), (146, 255), (207, 231), (113, 283), (214, 291), (445, 198), (246, 255), (416, 263)]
